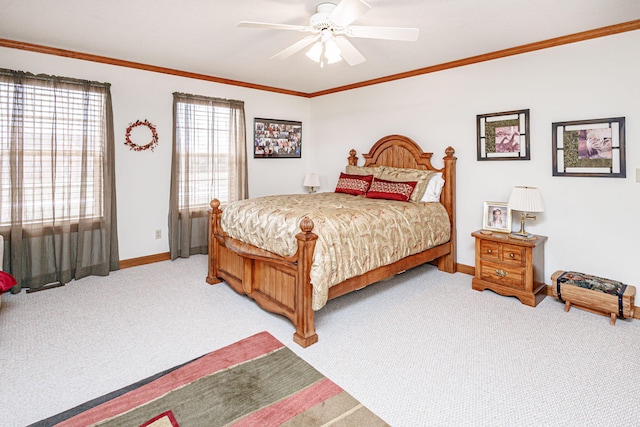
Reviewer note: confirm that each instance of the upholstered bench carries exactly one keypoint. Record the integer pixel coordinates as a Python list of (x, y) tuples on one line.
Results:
[(595, 294)]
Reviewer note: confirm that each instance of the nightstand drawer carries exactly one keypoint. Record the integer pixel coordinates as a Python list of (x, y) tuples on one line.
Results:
[(512, 253), (503, 273), (494, 251), (490, 250)]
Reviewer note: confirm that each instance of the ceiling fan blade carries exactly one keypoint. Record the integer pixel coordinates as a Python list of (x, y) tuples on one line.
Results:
[(347, 11), (294, 48), (386, 33), (349, 52), (266, 25)]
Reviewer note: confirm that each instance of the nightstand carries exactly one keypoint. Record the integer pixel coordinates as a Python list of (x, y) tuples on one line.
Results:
[(510, 266)]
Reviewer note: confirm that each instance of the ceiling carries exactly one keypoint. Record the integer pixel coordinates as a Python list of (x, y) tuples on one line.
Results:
[(201, 36)]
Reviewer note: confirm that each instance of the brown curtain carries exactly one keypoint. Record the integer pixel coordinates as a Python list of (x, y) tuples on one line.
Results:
[(209, 160), (57, 193)]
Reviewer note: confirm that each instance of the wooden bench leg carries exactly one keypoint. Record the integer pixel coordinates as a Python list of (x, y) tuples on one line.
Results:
[(567, 306), (613, 319)]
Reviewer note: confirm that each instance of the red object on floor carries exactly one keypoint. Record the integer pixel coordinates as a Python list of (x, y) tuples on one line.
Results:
[(7, 281)]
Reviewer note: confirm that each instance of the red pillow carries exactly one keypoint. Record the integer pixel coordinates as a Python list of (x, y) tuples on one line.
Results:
[(353, 184), (391, 190), (7, 281)]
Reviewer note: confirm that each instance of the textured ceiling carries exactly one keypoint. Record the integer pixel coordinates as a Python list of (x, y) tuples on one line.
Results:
[(201, 36)]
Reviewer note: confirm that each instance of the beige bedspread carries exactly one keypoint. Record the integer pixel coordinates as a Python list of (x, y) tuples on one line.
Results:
[(355, 234)]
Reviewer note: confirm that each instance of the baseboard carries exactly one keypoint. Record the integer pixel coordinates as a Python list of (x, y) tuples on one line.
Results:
[(466, 269), (149, 259)]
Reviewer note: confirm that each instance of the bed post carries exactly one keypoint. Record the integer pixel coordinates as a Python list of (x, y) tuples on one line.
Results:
[(214, 221), (448, 262), (305, 334), (352, 159)]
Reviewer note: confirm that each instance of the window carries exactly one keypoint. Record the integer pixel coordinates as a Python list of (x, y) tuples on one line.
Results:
[(202, 149), (57, 181), (61, 139), (209, 161)]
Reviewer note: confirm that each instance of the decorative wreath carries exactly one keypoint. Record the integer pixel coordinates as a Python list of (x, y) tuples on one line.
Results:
[(136, 147)]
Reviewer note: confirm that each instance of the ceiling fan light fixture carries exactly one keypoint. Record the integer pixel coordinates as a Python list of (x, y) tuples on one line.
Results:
[(332, 52), (325, 50), (315, 52)]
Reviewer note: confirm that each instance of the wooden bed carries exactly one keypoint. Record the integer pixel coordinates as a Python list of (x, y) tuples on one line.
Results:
[(282, 285)]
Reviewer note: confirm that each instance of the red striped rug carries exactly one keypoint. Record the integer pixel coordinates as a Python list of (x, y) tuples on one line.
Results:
[(254, 382)]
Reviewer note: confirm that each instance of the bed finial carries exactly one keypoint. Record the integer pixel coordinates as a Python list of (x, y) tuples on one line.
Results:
[(215, 204), (306, 225), (450, 151), (353, 159)]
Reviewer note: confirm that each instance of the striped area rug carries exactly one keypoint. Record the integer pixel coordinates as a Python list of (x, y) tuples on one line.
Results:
[(254, 382)]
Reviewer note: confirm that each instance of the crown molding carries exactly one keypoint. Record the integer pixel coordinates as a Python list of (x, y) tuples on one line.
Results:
[(517, 50)]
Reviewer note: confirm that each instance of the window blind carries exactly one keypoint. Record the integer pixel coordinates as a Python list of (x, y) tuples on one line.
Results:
[(202, 144), (59, 138)]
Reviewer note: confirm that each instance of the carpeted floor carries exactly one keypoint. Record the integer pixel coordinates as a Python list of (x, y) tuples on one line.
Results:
[(421, 349)]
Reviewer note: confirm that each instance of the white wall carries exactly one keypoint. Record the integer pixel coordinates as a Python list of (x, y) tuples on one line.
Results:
[(592, 223), (142, 178)]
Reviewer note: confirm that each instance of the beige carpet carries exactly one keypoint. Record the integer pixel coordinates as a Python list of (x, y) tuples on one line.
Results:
[(422, 349)]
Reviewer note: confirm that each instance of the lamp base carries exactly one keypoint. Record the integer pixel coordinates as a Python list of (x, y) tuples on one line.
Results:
[(523, 236)]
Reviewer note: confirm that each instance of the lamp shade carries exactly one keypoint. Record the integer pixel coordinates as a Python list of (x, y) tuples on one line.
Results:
[(311, 180), (526, 199)]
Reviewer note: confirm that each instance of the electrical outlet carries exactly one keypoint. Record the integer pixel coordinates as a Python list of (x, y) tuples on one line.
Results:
[(638, 175), (158, 234)]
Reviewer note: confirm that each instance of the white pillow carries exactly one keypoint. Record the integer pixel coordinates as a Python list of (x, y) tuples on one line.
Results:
[(434, 188)]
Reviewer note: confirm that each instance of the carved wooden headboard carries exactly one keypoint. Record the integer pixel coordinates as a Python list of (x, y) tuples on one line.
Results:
[(403, 152)]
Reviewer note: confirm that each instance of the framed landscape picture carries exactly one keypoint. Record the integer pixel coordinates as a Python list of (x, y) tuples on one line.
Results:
[(503, 136), (277, 138), (589, 148)]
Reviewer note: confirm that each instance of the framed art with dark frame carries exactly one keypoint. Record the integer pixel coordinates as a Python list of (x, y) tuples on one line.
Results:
[(503, 136), (277, 139), (497, 217), (593, 148)]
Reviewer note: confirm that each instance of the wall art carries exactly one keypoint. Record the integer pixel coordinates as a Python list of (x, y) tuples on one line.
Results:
[(503, 136), (593, 148), (277, 139)]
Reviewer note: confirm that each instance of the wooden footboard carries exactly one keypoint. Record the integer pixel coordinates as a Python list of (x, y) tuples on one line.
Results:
[(279, 285), (282, 285)]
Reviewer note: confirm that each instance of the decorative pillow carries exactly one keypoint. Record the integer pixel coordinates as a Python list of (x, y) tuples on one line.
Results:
[(353, 184), (391, 190), (434, 188), (405, 175), (363, 170)]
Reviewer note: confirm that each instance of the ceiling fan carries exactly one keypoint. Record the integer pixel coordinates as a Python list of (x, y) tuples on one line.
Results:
[(330, 28)]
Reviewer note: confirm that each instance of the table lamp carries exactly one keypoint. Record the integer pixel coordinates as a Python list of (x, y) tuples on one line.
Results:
[(312, 181), (525, 200)]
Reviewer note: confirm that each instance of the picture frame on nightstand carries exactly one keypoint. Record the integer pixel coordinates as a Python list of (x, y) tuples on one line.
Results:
[(496, 217)]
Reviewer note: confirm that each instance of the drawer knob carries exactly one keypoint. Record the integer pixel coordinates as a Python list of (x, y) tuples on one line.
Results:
[(511, 255), (488, 251), (501, 273)]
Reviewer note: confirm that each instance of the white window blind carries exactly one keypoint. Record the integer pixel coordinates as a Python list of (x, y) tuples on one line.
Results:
[(57, 146), (202, 144)]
